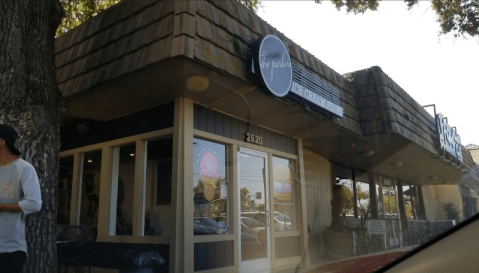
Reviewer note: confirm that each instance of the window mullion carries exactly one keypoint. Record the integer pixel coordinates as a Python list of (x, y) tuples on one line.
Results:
[(140, 188), (76, 190), (114, 190)]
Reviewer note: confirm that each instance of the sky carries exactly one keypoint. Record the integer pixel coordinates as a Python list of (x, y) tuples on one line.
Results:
[(432, 68)]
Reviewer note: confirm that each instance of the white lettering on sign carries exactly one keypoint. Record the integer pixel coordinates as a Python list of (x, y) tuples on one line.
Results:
[(448, 138), (376, 226), (315, 98), (274, 60)]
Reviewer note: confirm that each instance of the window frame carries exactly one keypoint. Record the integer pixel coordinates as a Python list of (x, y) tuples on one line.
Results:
[(107, 208)]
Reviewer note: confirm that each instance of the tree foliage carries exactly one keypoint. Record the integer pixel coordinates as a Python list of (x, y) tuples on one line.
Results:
[(390, 206), (355, 6), (78, 11), (252, 5), (339, 204), (458, 17), (451, 211)]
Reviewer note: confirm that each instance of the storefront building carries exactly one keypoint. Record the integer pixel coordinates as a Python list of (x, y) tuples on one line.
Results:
[(196, 128)]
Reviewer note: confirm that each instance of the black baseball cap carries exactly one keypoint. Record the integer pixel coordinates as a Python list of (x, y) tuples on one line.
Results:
[(9, 134)]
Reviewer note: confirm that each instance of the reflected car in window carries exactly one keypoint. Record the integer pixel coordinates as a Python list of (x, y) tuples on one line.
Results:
[(206, 226)]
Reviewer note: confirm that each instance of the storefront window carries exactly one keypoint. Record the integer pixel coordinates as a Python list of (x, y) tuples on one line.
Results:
[(418, 207), (348, 206), (64, 187), (158, 187), (363, 201), (125, 192), (90, 190), (407, 201), (284, 195), (390, 199), (210, 188), (356, 190)]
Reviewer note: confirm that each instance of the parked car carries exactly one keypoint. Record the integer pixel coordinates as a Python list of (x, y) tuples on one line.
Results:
[(206, 226), (260, 217)]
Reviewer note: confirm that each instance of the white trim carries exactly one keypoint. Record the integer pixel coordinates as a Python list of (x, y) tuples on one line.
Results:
[(113, 194), (220, 270), (75, 204), (109, 186), (188, 202), (105, 189), (139, 188), (213, 238), (281, 234), (261, 264)]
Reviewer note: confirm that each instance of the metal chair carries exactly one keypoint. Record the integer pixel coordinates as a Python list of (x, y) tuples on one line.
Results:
[(70, 249), (89, 245)]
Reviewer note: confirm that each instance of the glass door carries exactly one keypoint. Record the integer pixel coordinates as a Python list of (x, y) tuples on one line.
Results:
[(391, 214), (254, 216)]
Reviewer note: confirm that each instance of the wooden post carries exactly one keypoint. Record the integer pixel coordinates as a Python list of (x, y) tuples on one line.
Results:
[(402, 209), (373, 196), (304, 206), (75, 204), (139, 189), (104, 211), (355, 194), (182, 246)]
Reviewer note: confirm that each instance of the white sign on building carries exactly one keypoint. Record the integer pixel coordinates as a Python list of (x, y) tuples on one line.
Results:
[(376, 226), (448, 138)]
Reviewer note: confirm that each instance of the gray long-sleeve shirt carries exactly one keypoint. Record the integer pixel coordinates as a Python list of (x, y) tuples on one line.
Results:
[(18, 184)]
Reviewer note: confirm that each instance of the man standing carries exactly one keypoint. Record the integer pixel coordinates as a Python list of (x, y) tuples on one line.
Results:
[(19, 195)]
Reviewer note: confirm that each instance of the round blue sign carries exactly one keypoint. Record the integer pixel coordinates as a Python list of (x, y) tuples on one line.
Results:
[(275, 65)]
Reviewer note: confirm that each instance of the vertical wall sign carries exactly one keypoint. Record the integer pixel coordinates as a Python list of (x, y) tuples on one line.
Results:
[(448, 138), (273, 68)]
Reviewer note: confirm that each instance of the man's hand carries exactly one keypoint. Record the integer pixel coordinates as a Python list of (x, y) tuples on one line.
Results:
[(13, 207)]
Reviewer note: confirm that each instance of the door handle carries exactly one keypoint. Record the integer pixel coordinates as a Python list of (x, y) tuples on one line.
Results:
[(268, 220)]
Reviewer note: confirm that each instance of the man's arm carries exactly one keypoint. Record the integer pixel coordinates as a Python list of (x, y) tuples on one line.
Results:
[(13, 207), (32, 201)]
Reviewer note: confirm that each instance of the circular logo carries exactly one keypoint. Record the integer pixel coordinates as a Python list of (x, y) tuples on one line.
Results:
[(275, 65)]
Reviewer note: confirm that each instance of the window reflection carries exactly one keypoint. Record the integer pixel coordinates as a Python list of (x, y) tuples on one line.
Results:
[(348, 206), (356, 191), (419, 211), (64, 191), (363, 199), (90, 193), (284, 194), (158, 187), (390, 199), (408, 201), (210, 188), (125, 192)]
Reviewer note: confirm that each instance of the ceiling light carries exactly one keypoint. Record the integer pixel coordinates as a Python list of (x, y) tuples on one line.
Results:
[(197, 83), (368, 153), (396, 164), (90, 161), (132, 154), (85, 127)]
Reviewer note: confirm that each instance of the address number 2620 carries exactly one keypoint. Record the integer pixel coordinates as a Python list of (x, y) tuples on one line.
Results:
[(254, 139)]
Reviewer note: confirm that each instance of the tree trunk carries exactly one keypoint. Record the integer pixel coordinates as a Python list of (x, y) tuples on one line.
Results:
[(31, 102)]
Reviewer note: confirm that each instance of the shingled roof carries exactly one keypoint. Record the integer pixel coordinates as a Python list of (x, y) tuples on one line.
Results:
[(135, 34)]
